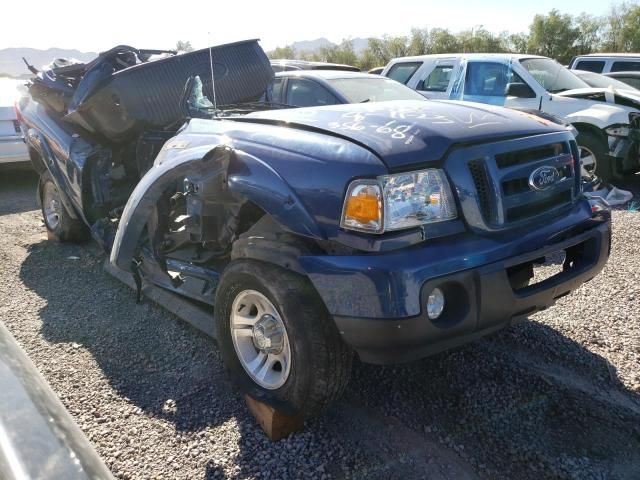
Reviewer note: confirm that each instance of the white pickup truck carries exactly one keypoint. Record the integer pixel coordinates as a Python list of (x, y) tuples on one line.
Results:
[(600, 115)]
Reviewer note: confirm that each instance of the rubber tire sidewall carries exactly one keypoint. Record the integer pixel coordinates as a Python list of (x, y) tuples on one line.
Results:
[(294, 298), (604, 163), (68, 229)]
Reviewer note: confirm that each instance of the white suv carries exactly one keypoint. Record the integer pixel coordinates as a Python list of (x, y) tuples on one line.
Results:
[(607, 62), (600, 115)]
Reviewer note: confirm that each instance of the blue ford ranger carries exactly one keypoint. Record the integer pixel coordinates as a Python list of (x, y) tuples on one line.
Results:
[(393, 230)]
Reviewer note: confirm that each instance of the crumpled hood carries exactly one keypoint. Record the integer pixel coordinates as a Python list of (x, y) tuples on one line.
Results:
[(405, 133), (609, 94)]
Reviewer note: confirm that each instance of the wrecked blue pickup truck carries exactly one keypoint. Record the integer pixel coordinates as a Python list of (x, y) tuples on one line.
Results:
[(394, 230)]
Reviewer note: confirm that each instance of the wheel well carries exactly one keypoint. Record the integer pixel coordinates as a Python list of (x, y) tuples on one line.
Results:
[(588, 128), (266, 240), (248, 216)]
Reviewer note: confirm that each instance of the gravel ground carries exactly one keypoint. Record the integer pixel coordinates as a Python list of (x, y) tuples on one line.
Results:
[(557, 397)]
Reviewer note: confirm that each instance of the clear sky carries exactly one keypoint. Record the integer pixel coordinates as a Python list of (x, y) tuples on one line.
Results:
[(94, 26)]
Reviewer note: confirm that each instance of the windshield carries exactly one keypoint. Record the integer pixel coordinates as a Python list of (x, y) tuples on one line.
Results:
[(600, 81), (358, 90), (553, 77)]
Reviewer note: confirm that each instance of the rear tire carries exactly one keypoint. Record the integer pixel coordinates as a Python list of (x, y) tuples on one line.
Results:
[(57, 219), (594, 155), (319, 362)]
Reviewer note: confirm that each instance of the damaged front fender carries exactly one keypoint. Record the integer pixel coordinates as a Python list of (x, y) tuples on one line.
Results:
[(210, 175)]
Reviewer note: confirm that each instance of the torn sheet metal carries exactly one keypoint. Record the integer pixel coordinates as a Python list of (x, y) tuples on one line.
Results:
[(126, 91), (147, 95)]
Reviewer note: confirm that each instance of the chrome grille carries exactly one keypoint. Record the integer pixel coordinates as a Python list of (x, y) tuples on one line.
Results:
[(528, 155), (494, 180)]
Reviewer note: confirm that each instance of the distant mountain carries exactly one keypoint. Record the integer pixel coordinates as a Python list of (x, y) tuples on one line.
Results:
[(311, 46), (11, 58), (359, 44)]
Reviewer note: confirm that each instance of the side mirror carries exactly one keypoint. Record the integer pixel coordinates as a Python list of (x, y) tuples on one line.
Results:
[(519, 90), (420, 85)]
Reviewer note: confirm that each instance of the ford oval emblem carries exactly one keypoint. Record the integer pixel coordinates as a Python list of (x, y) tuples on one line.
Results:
[(543, 177)]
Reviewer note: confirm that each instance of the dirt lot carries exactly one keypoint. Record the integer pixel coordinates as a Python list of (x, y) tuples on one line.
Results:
[(557, 397)]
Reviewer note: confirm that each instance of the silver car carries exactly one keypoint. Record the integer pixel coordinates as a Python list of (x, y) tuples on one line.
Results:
[(12, 148)]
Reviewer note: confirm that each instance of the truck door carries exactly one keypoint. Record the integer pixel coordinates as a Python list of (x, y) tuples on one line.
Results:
[(436, 81), (495, 83)]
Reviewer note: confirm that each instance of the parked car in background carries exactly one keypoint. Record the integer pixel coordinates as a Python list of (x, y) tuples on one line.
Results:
[(313, 88), (601, 116), (599, 80), (630, 78), (393, 229), (376, 71), (12, 147), (606, 62), (318, 88), (283, 65)]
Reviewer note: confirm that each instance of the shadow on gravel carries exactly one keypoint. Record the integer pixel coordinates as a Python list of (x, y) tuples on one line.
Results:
[(17, 188), (526, 403), (146, 355), (163, 366)]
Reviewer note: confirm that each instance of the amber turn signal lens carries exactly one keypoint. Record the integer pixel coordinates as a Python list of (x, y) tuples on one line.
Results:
[(363, 208)]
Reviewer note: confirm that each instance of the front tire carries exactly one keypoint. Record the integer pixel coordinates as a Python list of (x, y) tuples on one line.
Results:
[(277, 339), (56, 217), (594, 156)]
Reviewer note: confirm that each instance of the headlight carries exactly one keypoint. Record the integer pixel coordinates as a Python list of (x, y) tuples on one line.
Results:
[(400, 201), (620, 130), (416, 198)]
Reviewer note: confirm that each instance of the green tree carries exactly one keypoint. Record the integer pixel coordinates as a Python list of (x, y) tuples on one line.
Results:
[(590, 34), (613, 28), (183, 46), (443, 41), (397, 46), (282, 53), (377, 52), (517, 43), (480, 40), (418, 41), (380, 50), (367, 61), (553, 35), (342, 53), (630, 32)]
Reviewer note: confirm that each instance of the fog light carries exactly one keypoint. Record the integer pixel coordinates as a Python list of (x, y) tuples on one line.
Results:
[(435, 303)]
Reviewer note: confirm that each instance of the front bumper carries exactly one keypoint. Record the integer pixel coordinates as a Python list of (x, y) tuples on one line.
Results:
[(479, 300), (624, 151)]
